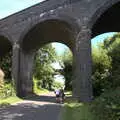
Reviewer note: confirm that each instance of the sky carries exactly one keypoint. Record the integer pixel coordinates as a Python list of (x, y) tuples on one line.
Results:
[(8, 7), (101, 38)]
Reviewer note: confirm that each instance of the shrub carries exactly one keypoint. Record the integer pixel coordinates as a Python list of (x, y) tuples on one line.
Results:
[(107, 106), (7, 90)]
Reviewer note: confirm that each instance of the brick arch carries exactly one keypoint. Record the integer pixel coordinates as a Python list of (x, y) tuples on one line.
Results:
[(71, 22), (103, 8)]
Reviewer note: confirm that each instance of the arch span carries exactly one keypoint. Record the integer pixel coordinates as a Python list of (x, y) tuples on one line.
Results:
[(52, 30), (106, 18)]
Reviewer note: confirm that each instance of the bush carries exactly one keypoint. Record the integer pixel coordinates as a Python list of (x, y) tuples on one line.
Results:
[(7, 90), (107, 106)]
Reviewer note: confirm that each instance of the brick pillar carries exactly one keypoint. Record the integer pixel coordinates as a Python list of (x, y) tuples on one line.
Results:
[(15, 67), (82, 86), (26, 70)]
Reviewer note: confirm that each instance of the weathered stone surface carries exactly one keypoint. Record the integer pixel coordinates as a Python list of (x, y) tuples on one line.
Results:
[(71, 22)]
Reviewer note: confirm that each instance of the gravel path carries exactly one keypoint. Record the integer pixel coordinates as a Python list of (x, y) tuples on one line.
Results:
[(37, 108)]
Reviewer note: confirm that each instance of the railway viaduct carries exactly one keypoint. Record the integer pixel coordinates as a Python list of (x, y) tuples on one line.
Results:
[(71, 22)]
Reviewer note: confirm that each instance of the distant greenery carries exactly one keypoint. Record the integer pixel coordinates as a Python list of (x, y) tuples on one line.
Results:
[(43, 70), (57, 85), (37, 89), (67, 60)]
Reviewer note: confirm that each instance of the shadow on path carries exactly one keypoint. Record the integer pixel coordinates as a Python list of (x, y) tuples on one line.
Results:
[(29, 111), (42, 98)]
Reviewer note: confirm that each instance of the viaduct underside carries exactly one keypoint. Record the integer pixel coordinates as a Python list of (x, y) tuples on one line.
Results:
[(71, 22)]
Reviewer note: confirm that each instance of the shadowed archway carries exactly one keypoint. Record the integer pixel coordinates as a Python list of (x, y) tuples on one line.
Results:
[(42, 33), (109, 21)]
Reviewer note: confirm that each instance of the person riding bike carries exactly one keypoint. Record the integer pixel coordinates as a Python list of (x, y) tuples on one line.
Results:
[(57, 93), (60, 96)]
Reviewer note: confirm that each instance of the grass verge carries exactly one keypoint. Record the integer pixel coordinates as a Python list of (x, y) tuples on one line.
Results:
[(9, 101), (76, 111)]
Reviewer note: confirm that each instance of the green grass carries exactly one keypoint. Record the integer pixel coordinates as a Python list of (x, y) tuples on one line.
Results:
[(40, 90), (76, 111), (9, 101), (104, 107)]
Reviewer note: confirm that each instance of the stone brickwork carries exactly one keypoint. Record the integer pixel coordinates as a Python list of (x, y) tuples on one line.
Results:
[(66, 21)]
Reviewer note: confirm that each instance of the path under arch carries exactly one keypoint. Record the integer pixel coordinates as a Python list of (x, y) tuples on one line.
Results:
[(38, 108)]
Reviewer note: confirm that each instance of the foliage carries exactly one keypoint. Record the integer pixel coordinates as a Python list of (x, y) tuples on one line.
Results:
[(7, 91), (106, 65), (107, 106), (113, 47), (57, 85), (67, 69), (7, 101), (36, 89), (43, 71), (5, 64), (77, 111), (100, 70)]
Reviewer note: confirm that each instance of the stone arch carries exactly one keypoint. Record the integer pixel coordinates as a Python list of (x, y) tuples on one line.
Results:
[(70, 21), (70, 27), (45, 31), (101, 11)]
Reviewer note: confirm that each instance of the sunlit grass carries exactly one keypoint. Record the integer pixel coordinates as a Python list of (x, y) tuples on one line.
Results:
[(9, 101), (37, 90), (40, 91), (76, 111)]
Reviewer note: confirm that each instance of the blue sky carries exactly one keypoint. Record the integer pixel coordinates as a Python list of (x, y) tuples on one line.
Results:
[(8, 7), (101, 38)]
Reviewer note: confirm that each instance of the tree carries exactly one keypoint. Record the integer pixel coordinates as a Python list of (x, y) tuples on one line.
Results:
[(100, 69), (106, 65), (67, 69), (113, 50), (5, 65), (43, 71)]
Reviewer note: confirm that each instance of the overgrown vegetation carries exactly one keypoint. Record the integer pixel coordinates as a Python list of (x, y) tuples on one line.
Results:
[(43, 70), (105, 107), (67, 60), (106, 85), (43, 77)]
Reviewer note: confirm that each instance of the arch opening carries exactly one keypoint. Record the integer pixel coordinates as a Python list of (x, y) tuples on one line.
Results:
[(6, 67), (41, 34), (108, 21), (57, 68)]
